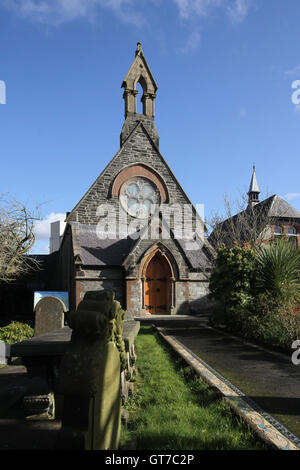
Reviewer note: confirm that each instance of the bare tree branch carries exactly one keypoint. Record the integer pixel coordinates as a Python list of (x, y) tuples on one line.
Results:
[(239, 223), (16, 239)]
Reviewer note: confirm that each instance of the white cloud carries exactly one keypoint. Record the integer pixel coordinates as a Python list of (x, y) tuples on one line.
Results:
[(189, 8), (293, 72), (56, 12), (243, 112), (238, 10), (192, 42), (290, 196), (42, 227)]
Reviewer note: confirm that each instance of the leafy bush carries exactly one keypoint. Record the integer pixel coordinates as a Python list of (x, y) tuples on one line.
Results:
[(257, 292), (232, 278), (263, 320), (15, 332), (277, 268)]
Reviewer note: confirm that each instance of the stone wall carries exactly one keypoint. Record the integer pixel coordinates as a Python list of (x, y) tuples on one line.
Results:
[(198, 297), (191, 297), (134, 296), (106, 279), (137, 149), (132, 121)]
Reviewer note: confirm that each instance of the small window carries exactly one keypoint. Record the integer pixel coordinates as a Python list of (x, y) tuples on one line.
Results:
[(292, 231), (278, 230)]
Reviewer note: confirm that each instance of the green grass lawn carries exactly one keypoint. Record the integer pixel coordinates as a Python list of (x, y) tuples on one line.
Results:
[(173, 409)]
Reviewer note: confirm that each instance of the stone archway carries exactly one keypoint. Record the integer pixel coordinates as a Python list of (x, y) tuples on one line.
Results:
[(158, 284)]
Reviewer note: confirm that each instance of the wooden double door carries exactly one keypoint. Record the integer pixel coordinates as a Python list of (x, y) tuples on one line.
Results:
[(157, 285)]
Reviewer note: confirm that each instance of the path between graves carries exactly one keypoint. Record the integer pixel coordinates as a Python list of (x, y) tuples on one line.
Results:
[(267, 378)]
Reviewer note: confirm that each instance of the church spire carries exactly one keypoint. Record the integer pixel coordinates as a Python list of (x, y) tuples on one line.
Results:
[(254, 191), (139, 72)]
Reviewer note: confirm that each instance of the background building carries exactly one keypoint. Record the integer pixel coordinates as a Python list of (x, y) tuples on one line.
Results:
[(260, 221)]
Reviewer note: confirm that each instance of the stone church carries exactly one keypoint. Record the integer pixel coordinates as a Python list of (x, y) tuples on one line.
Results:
[(118, 236)]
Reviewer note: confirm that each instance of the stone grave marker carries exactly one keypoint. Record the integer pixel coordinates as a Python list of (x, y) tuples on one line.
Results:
[(49, 315)]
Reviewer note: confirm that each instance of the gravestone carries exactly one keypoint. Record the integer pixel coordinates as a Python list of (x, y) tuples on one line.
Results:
[(89, 375), (49, 315)]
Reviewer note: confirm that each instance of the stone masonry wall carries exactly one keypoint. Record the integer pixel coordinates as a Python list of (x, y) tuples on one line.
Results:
[(137, 149), (198, 296), (100, 280)]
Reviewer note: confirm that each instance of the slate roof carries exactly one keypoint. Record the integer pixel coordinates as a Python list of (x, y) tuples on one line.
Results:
[(198, 258), (280, 208), (272, 207), (94, 251)]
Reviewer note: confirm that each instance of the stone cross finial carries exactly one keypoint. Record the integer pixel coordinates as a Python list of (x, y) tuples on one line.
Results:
[(139, 48)]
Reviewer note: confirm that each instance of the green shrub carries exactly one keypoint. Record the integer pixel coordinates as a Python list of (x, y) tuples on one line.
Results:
[(257, 292), (263, 320), (232, 278), (277, 324), (277, 268), (15, 332)]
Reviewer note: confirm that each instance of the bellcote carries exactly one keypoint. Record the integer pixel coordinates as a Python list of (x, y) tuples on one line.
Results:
[(139, 72)]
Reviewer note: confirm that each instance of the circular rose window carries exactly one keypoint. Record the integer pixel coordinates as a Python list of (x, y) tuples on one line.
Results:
[(139, 197)]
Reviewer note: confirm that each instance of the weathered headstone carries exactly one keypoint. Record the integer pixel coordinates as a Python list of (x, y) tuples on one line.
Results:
[(89, 375), (49, 315)]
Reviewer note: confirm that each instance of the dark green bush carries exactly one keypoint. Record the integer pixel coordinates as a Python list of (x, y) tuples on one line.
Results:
[(256, 292), (15, 332), (232, 278), (277, 268)]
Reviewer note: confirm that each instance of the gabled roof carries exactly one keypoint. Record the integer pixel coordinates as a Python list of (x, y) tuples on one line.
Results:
[(265, 212), (280, 208), (197, 253), (94, 251)]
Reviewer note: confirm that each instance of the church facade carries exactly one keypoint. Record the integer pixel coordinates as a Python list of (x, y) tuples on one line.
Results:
[(135, 230)]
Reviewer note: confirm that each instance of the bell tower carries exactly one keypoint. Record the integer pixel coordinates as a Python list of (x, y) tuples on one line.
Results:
[(139, 72)]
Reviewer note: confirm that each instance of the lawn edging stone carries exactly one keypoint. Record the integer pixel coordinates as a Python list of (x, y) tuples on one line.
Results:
[(260, 425)]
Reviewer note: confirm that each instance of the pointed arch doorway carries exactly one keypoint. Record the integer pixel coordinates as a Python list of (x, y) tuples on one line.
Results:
[(158, 290)]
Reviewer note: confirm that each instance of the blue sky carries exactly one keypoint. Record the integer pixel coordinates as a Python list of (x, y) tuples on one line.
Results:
[(224, 69)]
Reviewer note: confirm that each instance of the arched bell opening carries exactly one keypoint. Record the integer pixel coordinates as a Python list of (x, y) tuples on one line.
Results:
[(158, 284), (139, 72), (139, 98)]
